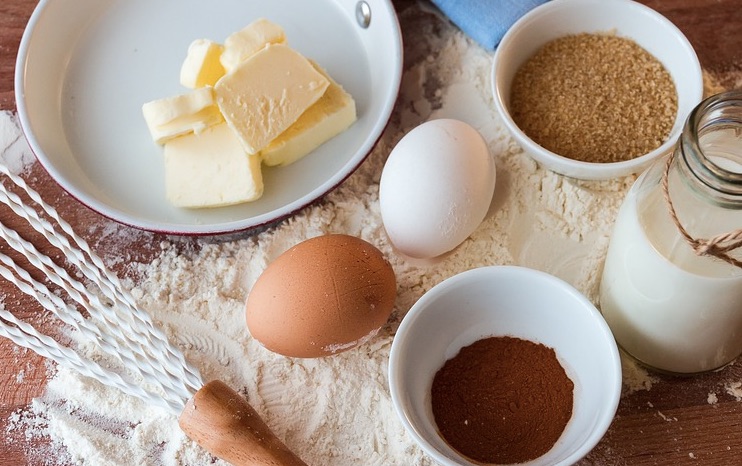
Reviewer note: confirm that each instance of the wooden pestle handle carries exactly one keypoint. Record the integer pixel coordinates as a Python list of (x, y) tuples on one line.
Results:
[(223, 422)]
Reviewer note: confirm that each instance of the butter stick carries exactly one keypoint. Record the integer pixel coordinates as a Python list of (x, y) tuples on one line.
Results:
[(332, 114), (267, 93), (241, 45), (182, 114), (211, 169), (202, 66)]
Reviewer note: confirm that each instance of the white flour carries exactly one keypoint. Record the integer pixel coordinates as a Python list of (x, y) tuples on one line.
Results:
[(16, 154), (336, 410)]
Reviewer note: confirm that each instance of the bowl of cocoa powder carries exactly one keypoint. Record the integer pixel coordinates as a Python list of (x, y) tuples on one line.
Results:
[(504, 365), (595, 89)]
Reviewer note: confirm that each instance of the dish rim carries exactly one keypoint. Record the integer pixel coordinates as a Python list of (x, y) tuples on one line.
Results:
[(378, 124)]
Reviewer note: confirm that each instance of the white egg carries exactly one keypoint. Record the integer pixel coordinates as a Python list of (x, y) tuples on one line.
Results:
[(436, 187)]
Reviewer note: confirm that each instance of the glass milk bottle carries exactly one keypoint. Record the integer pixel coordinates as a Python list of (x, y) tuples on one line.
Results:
[(672, 283)]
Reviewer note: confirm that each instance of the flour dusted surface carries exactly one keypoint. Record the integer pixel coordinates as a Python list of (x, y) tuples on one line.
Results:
[(335, 410)]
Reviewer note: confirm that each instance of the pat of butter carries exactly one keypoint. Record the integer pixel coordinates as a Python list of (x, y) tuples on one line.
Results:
[(267, 93), (182, 114), (211, 169), (243, 44), (332, 114), (202, 66)]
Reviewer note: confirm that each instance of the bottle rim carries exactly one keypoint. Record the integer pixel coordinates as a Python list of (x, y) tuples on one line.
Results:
[(720, 111)]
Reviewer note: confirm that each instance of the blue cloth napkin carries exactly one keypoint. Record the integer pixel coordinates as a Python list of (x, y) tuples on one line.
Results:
[(485, 21)]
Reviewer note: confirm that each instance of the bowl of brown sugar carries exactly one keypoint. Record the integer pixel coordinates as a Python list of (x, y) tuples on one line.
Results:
[(504, 365), (595, 89)]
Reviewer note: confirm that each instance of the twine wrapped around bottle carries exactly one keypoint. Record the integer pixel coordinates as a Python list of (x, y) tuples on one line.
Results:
[(718, 246)]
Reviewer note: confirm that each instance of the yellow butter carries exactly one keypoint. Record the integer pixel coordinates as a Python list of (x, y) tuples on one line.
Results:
[(332, 114), (243, 44), (202, 65), (267, 93), (211, 169), (182, 114)]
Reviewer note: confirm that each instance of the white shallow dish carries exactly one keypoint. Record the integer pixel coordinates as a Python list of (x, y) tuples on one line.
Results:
[(86, 67), (506, 301), (627, 18)]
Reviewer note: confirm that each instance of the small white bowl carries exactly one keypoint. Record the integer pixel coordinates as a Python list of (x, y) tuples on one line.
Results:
[(558, 18), (512, 301)]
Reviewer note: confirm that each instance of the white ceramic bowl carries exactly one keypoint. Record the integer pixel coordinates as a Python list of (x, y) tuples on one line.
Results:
[(513, 301), (627, 18), (85, 68)]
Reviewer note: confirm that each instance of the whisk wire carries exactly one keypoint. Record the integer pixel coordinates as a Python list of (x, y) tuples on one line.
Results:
[(12, 272), (115, 340), (128, 332), (93, 269), (23, 334)]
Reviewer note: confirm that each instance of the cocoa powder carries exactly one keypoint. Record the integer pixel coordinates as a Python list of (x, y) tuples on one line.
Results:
[(502, 400)]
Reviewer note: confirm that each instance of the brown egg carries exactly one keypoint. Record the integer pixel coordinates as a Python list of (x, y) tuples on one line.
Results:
[(323, 296)]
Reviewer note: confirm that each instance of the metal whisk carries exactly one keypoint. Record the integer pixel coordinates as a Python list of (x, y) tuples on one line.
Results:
[(213, 415)]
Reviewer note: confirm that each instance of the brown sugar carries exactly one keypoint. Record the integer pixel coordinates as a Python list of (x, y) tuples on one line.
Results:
[(594, 98)]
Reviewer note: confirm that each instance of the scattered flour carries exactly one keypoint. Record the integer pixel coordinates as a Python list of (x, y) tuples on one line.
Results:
[(734, 389), (15, 153), (337, 410), (635, 377)]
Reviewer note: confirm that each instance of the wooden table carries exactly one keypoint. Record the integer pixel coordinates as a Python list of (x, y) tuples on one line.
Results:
[(674, 422)]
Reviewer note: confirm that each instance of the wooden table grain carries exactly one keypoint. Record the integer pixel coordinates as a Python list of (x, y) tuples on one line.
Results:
[(694, 420)]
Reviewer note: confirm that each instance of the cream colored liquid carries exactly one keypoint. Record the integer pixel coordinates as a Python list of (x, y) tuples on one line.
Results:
[(682, 316)]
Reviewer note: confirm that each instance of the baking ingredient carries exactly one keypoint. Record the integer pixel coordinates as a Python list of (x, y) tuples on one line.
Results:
[(594, 98), (202, 66), (672, 282), (211, 169), (323, 296), (436, 187), (241, 45), (15, 152), (502, 400), (332, 114), (183, 114), (267, 93), (332, 411), (680, 315)]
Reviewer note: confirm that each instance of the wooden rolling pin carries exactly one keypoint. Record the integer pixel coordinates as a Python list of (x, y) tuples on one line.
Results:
[(223, 422)]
